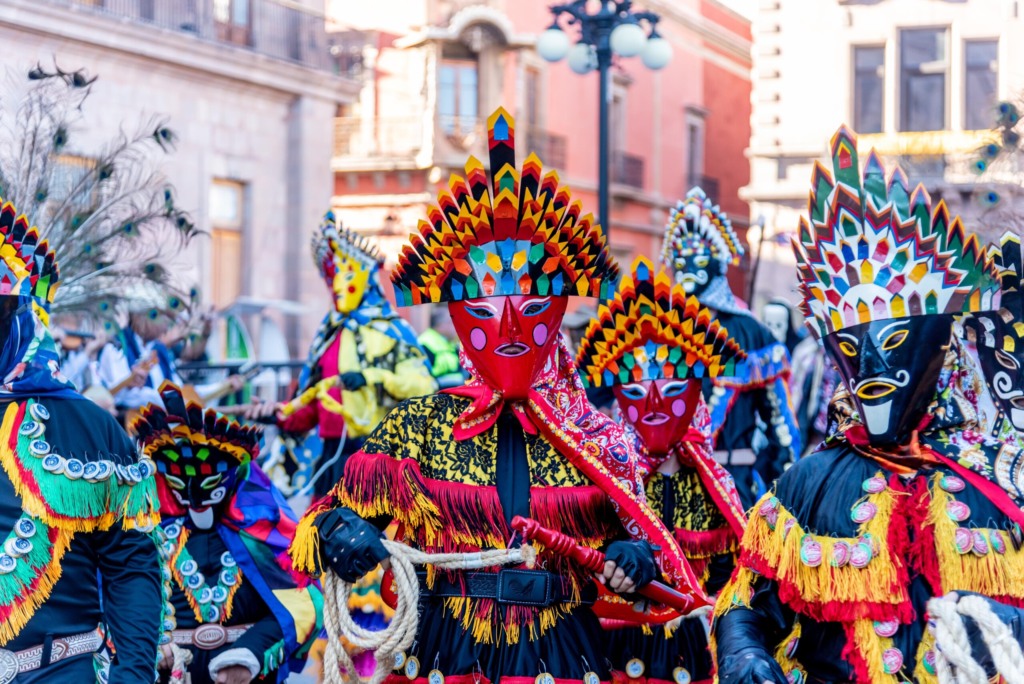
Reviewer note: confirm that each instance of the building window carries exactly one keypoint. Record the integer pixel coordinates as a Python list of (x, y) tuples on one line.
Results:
[(227, 221), (924, 70), (695, 150), (533, 97), (868, 88), (458, 96), (981, 72), (231, 20)]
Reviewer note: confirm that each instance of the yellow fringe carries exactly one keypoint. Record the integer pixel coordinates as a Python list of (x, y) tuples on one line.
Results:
[(992, 574), (826, 584), (871, 646), (921, 675), (305, 546), (785, 662), (737, 591), (21, 614)]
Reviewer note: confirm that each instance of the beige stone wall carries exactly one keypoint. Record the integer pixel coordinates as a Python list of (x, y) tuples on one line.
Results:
[(239, 116)]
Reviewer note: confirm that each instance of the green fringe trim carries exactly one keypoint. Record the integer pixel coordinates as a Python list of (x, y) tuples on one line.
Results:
[(272, 658), (75, 505)]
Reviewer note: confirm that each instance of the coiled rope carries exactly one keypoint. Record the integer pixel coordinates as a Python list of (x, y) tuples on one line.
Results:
[(400, 633), (954, 661)]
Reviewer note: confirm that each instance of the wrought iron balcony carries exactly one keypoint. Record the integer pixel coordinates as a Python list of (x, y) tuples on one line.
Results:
[(281, 29), (627, 169)]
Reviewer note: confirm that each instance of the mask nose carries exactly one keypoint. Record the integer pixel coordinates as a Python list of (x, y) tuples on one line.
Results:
[(510, 329), (873, 361), (655, 402)]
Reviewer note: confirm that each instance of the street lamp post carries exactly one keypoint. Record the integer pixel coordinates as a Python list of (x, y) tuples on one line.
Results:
[(613, 29)]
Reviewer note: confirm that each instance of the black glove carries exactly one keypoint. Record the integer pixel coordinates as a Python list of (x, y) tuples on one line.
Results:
[(743, 657), (348, 544), (636, 559), (353, 380)]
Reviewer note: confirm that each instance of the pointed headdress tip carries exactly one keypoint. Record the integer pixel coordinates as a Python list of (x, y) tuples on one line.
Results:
[(332, 240), (676, 328), (858, 261), (180, 422), (518, 233), (696, 224), (30, 266)]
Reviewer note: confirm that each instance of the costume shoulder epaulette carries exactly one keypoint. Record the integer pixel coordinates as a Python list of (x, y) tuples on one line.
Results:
[(78, 492)]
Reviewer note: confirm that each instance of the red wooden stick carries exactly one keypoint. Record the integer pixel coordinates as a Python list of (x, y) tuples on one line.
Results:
[(594, 560)]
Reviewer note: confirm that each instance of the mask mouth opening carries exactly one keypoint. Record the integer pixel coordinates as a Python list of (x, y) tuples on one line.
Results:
[(1018, 402), (512, 350), (656, 418)]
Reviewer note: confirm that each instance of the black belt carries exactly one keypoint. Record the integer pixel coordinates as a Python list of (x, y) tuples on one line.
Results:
[(537, 588)]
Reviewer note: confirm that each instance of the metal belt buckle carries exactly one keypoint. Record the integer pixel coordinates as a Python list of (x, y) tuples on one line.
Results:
[(209, 637), (524, 588), (8, 666)]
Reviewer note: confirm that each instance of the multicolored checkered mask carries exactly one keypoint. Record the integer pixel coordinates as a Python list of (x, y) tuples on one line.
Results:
[(1000, 335), (198, 454), (883, 273)]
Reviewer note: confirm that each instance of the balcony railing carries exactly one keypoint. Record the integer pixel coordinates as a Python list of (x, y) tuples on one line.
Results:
[(550, 147), (706, 183), (276, 28), (391, 137), (627, 169)]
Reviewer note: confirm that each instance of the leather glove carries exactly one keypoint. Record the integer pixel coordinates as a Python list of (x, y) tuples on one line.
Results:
[(636, 559), (348, 544), (353, 380), (743, 657)]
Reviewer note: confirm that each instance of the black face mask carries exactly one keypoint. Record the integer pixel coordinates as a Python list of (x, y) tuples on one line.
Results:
[(1004, 370), (891, 368), (9, 305), (696, 271)]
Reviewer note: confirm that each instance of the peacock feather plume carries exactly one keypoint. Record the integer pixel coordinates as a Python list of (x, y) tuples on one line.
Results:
[(106, 211)]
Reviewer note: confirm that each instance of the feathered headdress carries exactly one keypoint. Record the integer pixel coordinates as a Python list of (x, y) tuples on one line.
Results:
[(873, 251), (332, 240), (513, 233), (697, 225), (1009, 262), (650, 331), (186, 434), (27, 266), (108, 215)]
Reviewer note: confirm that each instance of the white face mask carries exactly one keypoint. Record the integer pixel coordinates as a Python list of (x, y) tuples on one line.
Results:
[(776, 319)]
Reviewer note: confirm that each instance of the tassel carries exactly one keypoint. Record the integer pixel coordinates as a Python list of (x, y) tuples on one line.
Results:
[(827, 593), (305, 546), (864, 649)]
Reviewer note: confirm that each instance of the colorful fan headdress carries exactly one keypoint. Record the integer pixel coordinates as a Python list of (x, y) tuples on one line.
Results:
[(696, 225), (1009, 263), (513, 233), (194, 439), (873, 251), (27, 265), (651, 330), (332, 240)]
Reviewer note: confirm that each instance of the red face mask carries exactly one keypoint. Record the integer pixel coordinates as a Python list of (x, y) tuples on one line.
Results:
[(508, 339), (660, 410)]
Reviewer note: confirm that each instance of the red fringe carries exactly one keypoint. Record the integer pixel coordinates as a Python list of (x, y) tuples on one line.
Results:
[(854, 657), (705, 542), (468, 512), (369, 478), (828, 611)]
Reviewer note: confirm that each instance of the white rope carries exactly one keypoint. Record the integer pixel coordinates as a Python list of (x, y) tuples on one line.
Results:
[(400, 633), (954, 661), (182, 658)]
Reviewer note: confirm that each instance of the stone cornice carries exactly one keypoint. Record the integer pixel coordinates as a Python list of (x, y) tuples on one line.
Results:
[(177, 48)]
